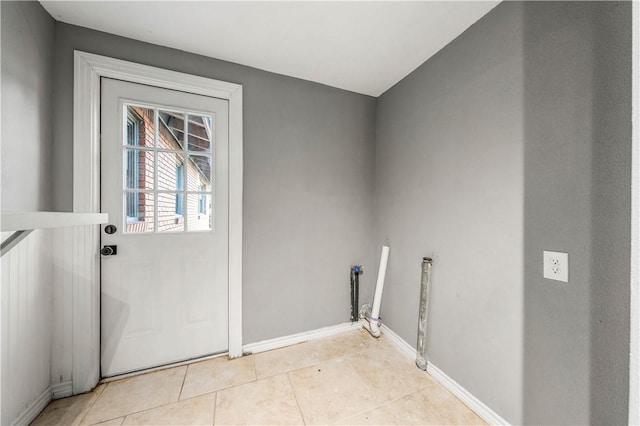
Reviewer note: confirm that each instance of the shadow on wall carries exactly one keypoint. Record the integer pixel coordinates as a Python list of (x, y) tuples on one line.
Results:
[(611, 213), (577, 129)]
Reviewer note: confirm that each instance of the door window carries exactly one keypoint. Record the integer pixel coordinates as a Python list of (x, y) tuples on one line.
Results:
[(167, 156)]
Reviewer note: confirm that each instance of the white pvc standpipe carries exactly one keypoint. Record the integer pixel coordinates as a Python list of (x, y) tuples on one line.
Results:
[(377, 298)]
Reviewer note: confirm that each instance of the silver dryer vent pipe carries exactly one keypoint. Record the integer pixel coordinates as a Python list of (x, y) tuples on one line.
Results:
[(425, 285)]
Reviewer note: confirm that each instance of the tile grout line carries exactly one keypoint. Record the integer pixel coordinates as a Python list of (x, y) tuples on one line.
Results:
[(184, 379), (348, 359), (385, 403), (124, 416), (295, 397), (136, 412), (421, 388), (226, 387), (344, 356), (163, 367), (351, 357), (215, 403), (91, 404), (255, 368)]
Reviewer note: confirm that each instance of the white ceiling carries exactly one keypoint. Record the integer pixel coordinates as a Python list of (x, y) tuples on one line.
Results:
[(365, 47)]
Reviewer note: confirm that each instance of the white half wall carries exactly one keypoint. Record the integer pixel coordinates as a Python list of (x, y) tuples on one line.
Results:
[(26, 307)]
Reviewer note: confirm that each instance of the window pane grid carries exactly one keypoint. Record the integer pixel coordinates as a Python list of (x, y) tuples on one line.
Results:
[(177, 185), (175, 151), (167, 191)]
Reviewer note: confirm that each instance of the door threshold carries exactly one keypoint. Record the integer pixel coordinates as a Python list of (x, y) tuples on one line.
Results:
[(160, 368)]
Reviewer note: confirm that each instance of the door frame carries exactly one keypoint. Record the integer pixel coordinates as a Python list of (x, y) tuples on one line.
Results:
[(85, 259)]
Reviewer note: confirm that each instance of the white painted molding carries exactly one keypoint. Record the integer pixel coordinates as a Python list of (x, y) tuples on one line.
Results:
[(400, 343), (465, 396), (16, 221), (61, 390), (293, 339), (451, 385), (88, 69), (236, 165), (35, 408)]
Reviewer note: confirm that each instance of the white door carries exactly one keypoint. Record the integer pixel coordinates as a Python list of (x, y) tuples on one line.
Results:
[(164, 184)]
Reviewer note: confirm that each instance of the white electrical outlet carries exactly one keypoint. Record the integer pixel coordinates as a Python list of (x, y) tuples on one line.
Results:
[(556, 265)]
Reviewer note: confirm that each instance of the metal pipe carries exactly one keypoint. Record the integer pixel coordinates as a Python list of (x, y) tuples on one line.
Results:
[(356, 270), (374, 326), (425, 285), (365, 312)]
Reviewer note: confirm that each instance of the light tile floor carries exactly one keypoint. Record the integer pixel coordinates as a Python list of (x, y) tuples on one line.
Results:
[(350, 378)]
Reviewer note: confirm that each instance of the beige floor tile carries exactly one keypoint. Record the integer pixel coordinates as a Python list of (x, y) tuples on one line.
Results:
[(287, 359), (195, 411), (218, 373), (137, 393), (413, 409), (348, 343), (452, 411), (63, 411), (265, 402), (306, 354), (68, 411), (331, 391), (350, 378), (389, 373), (96, 394), (433, 406)]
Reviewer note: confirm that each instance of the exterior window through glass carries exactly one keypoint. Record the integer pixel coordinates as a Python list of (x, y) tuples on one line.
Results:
[(202, 199), (179, 187), (168, 159), (133, 167)]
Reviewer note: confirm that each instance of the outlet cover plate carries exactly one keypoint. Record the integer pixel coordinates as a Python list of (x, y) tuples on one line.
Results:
[(556, 266)]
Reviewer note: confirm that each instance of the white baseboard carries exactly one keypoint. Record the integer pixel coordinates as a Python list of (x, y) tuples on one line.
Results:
[(451, 385), (404, 347), (465, 396), (61, 390), (281, 342), (35, 408)]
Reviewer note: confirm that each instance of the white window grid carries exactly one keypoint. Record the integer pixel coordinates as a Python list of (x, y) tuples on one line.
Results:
[(186, 155)]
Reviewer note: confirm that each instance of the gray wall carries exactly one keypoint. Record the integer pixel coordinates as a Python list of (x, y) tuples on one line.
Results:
[(558, 107), (611, 204), (308, 181), (26, 146), (449, 184), (577, 110), (513, 139), (27, 59)]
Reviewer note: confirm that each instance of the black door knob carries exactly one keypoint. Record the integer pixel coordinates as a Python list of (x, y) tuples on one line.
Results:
[(110, 229), (109, 250)]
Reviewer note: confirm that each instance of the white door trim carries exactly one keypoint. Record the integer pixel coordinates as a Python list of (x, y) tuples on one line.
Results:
[(88, 68)]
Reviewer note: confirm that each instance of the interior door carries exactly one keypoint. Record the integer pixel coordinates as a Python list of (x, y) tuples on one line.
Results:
[(164, 267)]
